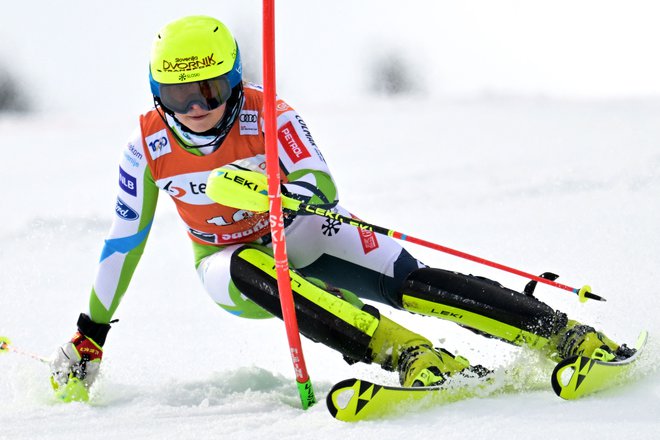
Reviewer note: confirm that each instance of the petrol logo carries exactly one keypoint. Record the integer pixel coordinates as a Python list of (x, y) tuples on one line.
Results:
[(291, 143)]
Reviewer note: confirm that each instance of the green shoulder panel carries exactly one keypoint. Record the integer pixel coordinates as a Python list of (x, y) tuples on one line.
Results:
[(327, 190)]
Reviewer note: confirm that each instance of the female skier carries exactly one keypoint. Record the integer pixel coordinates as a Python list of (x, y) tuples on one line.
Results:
[(205, 116)]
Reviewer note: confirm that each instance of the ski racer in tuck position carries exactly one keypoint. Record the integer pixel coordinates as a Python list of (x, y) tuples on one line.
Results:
[(205, 116)]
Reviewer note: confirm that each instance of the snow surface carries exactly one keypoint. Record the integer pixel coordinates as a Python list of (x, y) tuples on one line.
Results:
[(570, 187)]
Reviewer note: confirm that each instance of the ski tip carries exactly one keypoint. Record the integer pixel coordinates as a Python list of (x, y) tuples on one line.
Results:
[(4, 344), (339, 396)]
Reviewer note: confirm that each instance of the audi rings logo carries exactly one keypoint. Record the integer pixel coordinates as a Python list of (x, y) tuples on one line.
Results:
[(158, 144), (248, 117), (249, 124)]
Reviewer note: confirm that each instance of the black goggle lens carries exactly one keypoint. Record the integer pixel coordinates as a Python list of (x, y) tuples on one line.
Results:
[(209, 94)]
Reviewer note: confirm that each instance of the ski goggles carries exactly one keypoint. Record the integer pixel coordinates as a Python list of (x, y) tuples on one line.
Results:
[(209, 94)]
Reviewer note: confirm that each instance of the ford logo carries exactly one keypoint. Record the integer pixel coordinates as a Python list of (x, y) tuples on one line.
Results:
[(126, 212)]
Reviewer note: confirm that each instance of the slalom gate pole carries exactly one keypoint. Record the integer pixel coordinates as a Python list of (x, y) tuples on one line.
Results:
[(583, 293), (275, 207)]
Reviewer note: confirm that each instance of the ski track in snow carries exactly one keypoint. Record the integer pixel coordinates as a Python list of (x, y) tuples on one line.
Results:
[(540, 185)]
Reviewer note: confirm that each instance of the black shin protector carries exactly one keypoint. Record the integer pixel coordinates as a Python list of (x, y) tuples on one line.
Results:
[(482, 305), (322, 316)]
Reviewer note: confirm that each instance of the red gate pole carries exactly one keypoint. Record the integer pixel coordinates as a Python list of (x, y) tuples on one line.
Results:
[(275, 207)]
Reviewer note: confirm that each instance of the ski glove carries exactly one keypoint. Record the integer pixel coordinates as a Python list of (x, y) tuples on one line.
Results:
[(75, 364)]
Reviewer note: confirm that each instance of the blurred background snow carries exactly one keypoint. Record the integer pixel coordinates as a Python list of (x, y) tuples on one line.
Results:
[(70, 57)]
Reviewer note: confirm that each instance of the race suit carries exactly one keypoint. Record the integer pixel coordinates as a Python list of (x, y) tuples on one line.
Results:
[(370, 266)]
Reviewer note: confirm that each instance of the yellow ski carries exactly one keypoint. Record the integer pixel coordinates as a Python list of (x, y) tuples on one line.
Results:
[(352, 400), (578, 376)]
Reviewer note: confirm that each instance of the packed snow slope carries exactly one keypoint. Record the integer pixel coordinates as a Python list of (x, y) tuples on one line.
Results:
[(570, 187)]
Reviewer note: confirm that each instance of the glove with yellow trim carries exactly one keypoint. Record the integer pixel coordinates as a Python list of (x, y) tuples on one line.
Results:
[(75, 364)]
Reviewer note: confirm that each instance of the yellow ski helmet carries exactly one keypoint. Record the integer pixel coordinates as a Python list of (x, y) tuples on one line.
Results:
[(194, 60)]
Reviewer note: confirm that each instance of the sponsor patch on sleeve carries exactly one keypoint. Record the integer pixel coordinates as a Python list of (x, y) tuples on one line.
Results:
[(127, 182), (124, 211), (291, 143)]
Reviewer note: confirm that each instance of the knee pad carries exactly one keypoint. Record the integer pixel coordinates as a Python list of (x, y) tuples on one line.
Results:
[(322, 316), (482, 305)]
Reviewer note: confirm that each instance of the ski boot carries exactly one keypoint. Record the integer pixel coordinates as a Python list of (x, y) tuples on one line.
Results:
[(398, 349), (583, 340), (424, 366)]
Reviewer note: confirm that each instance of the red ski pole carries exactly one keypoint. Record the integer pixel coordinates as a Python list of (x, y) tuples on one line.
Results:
[(275, 207), (583, 293), (247, 190), (7, 347)]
